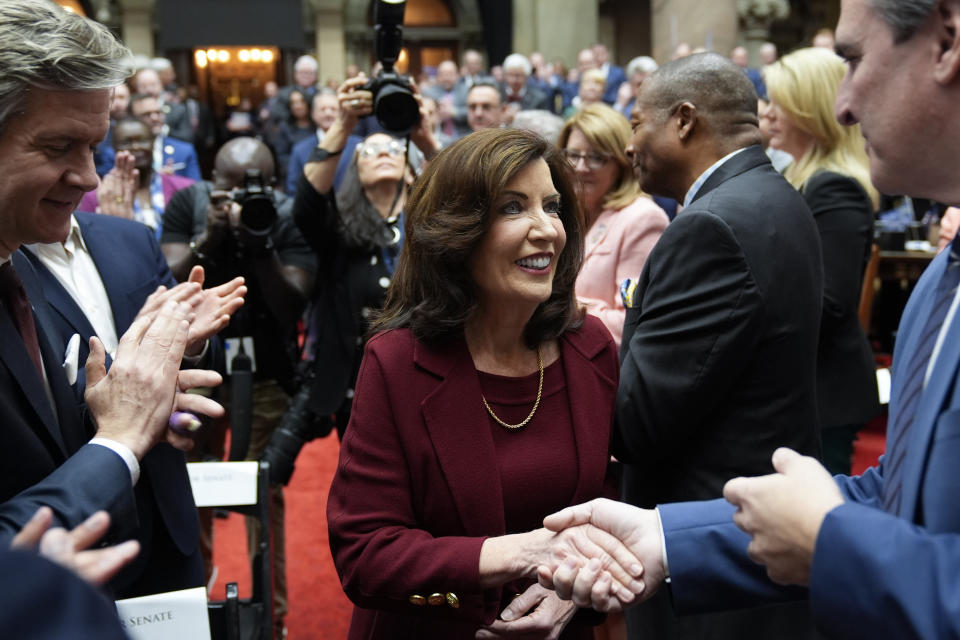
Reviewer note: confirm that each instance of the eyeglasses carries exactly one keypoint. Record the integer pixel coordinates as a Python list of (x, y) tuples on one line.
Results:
[(372, 149), (593, 159)]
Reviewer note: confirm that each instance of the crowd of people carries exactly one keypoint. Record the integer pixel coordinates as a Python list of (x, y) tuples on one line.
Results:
[(589, 338)]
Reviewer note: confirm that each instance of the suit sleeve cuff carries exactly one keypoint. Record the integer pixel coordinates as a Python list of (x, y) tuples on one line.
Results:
[(663, 546), (125, 454)]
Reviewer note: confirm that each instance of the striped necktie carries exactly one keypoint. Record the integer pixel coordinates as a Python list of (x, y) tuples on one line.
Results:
[(914, 381)]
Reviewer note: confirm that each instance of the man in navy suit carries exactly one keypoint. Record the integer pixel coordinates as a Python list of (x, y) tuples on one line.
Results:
[(324, 109), (127, 267), (740, 57), (878, 555), (55, 108), (169, 154), (614, 74)]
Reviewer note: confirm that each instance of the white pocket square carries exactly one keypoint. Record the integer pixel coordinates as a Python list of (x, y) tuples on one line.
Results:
[(71, 358)]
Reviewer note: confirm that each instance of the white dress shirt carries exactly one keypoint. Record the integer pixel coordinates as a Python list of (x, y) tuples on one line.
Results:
[(73, 267)]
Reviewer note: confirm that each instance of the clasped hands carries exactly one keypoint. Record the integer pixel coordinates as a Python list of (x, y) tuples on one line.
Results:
[(782, 512)]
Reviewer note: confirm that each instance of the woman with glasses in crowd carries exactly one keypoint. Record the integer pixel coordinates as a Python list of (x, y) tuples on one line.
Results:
[(356, 234), (622, 222), (484, 403), (831, 169)]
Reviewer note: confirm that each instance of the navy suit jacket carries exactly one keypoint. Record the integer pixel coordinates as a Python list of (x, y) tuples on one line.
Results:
[(615, 77), (44, 601), (44, 457), (175, 152), (874, 574), (132, 266)]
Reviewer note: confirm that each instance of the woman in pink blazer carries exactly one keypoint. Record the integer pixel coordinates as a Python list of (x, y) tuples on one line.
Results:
[(622, 223), (484, 404)]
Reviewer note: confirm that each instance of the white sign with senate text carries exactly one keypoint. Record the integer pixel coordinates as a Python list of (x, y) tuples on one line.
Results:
[(223, 484), (176, 614)]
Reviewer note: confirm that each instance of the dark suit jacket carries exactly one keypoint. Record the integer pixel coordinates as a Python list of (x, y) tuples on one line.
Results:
[(719, 356), (615, 77), (44, 457), (44, 601), (132, 267), (532, 98), (178, 123), (874, 574), (846, 373), (417, 490)]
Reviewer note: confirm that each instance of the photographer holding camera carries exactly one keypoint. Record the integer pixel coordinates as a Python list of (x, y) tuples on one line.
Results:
[(239, 225), (356, 235)]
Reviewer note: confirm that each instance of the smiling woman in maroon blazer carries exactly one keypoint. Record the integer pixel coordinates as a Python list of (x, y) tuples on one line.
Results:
[(484, 404)]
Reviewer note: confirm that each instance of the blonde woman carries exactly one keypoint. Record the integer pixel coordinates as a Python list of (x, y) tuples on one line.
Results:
[(590, 91), (832, 171), (622, 223)]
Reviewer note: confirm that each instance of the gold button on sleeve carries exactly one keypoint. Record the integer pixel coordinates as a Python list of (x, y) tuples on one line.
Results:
[(418, 600), (436, 599), (453, 601)]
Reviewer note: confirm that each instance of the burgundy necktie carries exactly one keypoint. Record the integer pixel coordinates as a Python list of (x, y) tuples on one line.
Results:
[(18, 306)]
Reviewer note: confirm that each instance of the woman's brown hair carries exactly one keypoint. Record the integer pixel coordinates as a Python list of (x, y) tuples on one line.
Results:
[(447, 214)]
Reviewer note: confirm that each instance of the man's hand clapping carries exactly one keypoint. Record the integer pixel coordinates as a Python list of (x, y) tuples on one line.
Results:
[(210, 309), (132, 403)]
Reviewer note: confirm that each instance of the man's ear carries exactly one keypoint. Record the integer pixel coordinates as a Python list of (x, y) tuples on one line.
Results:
[(947, 68), (685, 118)]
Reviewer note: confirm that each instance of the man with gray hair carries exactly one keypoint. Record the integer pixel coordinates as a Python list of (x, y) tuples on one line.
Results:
[(638, 70), (56, 74), (877, 555), (520, 96)]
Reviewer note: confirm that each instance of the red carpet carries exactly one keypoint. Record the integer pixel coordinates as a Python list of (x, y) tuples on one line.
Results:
[(318, 608)]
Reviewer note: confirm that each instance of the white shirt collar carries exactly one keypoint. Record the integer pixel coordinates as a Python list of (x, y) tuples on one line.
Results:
[(695, 187)]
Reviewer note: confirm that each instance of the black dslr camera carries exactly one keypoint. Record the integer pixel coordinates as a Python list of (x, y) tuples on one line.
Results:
[(396, 109), (258, 213)]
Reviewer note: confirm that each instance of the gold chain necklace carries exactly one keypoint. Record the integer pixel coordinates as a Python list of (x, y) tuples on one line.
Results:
[(535, 404)]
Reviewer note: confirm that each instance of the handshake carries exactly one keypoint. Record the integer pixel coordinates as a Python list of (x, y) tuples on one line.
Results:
[(609, 555), (601, 554)]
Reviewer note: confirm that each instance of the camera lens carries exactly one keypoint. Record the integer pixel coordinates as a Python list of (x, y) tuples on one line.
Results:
[(258, 214), (396, 109)]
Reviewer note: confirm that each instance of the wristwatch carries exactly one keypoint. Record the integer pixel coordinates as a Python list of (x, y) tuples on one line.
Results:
[(320, 154)]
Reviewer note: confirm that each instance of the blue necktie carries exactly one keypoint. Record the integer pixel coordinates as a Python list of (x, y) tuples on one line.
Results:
[(914, 380)]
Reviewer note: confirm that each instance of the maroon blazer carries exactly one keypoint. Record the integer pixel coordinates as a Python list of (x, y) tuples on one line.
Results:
[(417, 492)]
